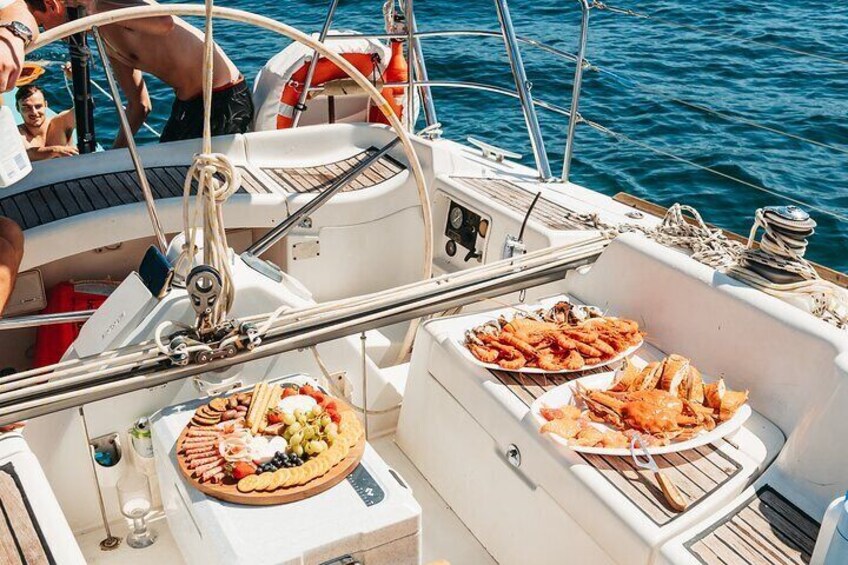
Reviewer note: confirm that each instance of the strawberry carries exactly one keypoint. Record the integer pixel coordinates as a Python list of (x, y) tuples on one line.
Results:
[(318, 396), (329, 405), (240, 470), (275, 416), (334, 416), (289, 391), (308, 390)]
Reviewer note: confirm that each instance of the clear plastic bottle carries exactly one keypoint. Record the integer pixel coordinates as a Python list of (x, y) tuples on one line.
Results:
[(14, 163)]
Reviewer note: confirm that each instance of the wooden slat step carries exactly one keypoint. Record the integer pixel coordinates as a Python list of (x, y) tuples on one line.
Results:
[(320, 177), (546, 212), (765, 529), (44, 204), (21, 540)]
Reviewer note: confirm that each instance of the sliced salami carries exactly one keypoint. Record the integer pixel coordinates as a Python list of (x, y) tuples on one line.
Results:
[(211, 473), (204, 468), (195, 463)]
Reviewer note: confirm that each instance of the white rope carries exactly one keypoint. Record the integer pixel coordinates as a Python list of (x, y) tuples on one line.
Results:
[(217, 180), (710, 246)]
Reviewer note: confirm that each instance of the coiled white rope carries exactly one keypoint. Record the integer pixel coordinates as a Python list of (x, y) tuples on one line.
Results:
[(710, 246), (217, 180)]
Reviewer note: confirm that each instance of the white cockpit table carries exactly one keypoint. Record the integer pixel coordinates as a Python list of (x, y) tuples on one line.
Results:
[(371, 516)]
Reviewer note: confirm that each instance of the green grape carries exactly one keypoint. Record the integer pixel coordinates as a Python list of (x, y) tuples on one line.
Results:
[(288, 418), (332, 428), (321, 445), (310, 448), (316, 410), (298, 413), (326, 420), (296, 427), (296, 438), (297, 450), (309, 432)]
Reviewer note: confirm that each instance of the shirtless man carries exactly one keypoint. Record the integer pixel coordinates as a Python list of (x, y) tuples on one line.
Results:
[(171, 50), (44, 137)]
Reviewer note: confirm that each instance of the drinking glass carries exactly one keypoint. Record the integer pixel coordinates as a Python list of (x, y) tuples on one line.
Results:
[(135, 500)]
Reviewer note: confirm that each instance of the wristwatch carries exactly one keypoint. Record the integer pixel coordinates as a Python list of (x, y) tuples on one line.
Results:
[(19, 30)]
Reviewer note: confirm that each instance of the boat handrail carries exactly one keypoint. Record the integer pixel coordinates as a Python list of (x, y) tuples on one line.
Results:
[(72, 383)]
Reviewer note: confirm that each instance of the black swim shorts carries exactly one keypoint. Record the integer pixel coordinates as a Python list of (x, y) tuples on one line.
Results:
[(232, 112)]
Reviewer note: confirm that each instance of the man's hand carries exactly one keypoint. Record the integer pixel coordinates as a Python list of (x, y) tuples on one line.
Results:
[(11, 59), (61, 151)]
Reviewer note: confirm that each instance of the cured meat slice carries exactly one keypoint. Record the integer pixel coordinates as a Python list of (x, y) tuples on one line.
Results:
[(203, 469), (211, 473), (195, 463)]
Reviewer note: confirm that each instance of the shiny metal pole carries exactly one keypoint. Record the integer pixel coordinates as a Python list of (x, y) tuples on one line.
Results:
[(310, 72), (419, 67), (522, 85), (45, 319), (110, 542), (409, 16), (274, 235), (574, 116), (125, 128)]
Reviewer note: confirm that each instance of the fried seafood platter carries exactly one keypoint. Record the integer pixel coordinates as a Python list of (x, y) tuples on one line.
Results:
[(666, 403), (273, 445), (563, 339)]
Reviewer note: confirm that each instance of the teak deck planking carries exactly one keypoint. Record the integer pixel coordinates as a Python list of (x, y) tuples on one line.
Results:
[(706, 468), (320, 177)]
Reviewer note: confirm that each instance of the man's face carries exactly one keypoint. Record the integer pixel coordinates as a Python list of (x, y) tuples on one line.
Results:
[(54, 15), (33, 110)]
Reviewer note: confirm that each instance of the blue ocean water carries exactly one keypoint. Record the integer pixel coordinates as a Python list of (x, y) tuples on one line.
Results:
[(645, 63)]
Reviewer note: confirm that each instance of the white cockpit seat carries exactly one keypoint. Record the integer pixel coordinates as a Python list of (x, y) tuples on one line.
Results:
[(616, 510), (602, 509), (33, 528)]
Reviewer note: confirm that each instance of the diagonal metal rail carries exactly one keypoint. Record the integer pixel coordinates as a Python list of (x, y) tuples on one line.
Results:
[(97, 380), (274, 235)]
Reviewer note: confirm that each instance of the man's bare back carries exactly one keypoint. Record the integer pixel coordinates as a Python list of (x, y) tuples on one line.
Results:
[(175, 56)]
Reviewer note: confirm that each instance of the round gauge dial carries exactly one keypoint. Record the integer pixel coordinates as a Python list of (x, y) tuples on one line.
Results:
[(456, 218)]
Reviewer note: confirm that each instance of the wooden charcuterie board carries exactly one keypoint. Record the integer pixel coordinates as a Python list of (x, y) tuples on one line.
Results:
[(309, 478)]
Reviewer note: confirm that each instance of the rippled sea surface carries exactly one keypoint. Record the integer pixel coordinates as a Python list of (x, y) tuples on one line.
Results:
[(650, 71)]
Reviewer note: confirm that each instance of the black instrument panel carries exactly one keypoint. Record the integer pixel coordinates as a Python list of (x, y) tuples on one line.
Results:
[(462, 228)]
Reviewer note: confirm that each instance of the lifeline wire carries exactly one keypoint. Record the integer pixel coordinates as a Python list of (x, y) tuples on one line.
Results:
[(627, 81), (623, 137), (644, 16)]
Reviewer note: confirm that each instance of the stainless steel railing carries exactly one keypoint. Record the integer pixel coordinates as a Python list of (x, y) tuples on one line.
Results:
[(418, 77)]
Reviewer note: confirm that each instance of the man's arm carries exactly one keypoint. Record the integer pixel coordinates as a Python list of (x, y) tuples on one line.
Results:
[(12, 46), (51, 152), (138, 100)]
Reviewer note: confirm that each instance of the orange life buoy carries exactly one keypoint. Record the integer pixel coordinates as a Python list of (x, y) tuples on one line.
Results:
[(325, 71)]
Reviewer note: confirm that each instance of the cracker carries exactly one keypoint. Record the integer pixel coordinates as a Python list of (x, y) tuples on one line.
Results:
[(263, 481), (248, 483), (293, 477), (280, 476)]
